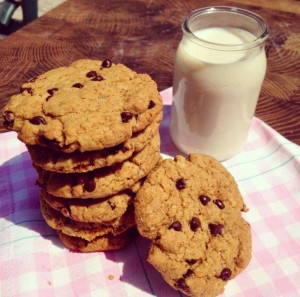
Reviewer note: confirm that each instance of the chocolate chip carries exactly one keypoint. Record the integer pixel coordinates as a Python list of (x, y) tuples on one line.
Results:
[(215, 229), (8, 117), (91, 74), (194, 224), (89, 185), (188, 273), (106, 63), (204, 199), (97, 78), (151, 104), (37, 120), (126, 116), (191, 261), (33, 79), (219, 203), (180, 184), (112, 205), (181, 284), (225, 274), (176, 226), (29, 90), (52, 91), (78, 85)]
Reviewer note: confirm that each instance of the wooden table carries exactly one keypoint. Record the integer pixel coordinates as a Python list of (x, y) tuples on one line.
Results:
[(144, 35)]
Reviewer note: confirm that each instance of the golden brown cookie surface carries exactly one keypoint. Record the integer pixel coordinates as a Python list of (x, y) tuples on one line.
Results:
[(85, 106), (86, 231), (191, 210), (92, 210), (105, 181), (107, 242), (53, 160)]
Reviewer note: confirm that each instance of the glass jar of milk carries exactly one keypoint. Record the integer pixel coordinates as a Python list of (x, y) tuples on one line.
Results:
[(219, 69)]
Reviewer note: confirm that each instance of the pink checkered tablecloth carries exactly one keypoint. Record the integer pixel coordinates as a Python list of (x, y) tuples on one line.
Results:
[(33, 262)]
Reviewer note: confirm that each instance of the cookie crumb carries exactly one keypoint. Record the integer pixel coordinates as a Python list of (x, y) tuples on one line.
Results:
[(111, 277)]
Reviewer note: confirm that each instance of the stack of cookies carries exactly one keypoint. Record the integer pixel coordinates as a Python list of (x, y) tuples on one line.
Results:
[(92, 132)]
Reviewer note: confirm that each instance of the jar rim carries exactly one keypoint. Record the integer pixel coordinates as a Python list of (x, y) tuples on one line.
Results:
[(226, 47)]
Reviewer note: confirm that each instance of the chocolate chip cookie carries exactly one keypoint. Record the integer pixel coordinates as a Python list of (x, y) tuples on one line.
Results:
[(201, 264), (93, 210), (107, 242), (77, 161), (89, 105), (86, 231), (191, 210), (105, 181)]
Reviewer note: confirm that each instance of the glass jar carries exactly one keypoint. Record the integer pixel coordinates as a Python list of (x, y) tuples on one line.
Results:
[(219, 69)]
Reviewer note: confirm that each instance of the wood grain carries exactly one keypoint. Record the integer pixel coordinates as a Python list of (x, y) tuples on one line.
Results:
[(144, 35)]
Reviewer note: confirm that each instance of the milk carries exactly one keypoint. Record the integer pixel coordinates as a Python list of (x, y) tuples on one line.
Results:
[(215, 92)]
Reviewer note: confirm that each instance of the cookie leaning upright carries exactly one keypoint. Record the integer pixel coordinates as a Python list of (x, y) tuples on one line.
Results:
[(191, 210), (89, 105)]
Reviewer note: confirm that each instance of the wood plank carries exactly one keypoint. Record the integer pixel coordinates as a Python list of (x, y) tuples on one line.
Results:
[(291, 6), (144, 35)]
